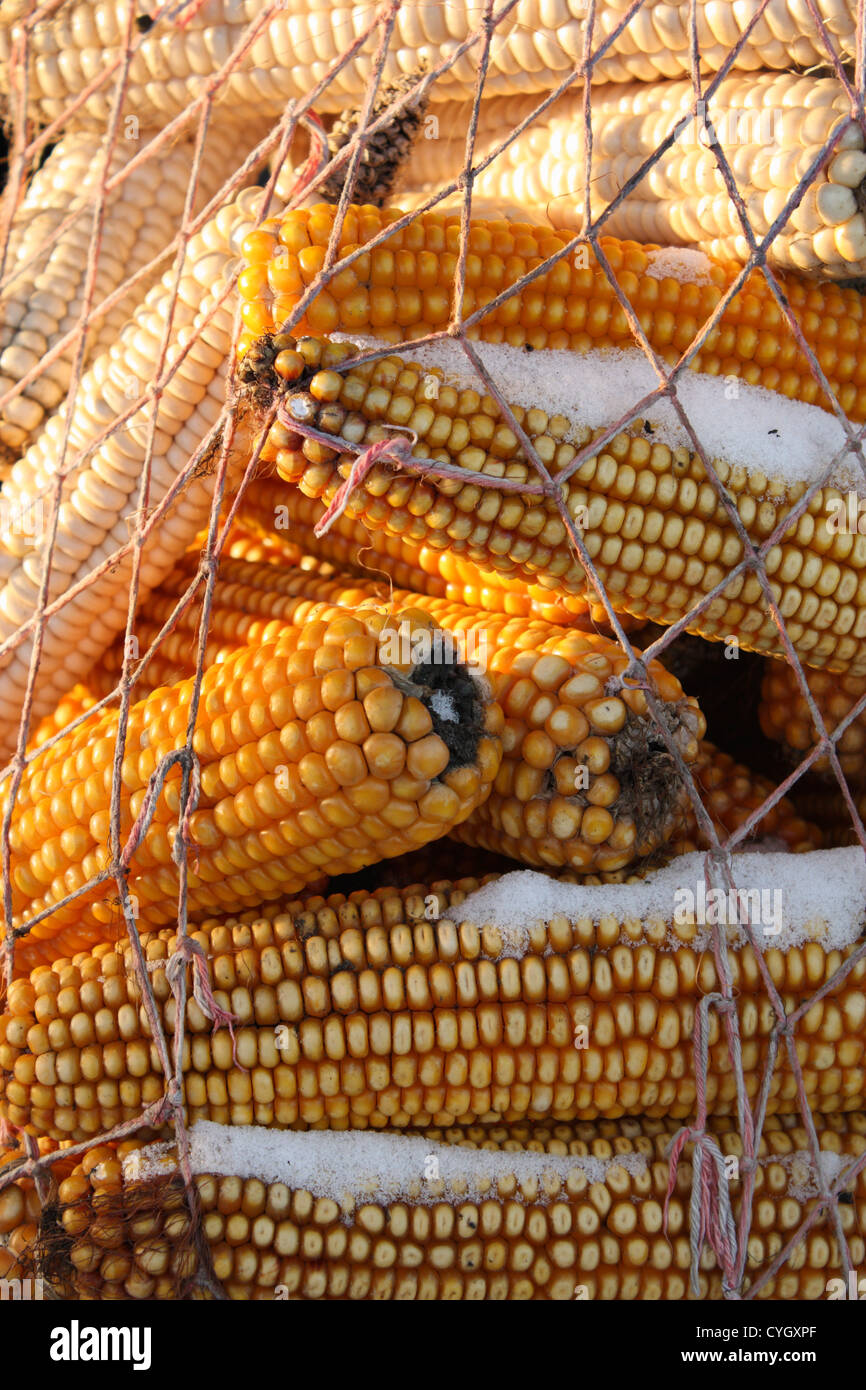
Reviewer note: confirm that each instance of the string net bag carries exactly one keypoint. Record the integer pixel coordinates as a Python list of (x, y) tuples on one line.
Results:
[(699, 181)]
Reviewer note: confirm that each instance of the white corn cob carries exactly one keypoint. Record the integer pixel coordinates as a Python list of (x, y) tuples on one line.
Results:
[(771, 128), (39, 205), (44, 292), (535, 44), (656, 42), (101, 494)]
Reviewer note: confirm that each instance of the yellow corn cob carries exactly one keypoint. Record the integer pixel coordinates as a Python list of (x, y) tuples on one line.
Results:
[(19, 1203), (383, 909), (438, 573), (79, 699), (533, 47), (403, 290), (821, 799), (355, 1016), (650, 519), (785, 716), (251, 542), (101, 495), (519, 1212), (728, 790), (315, 758), (586, 779), (731, 792), (20, 1211), (44, 297), (771, 126)]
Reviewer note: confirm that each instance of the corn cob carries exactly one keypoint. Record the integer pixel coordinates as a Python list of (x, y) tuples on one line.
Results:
[(771, 126), (344, 1023), (820, 798), (437, 573), (382, 909), (248, 541), (316, 757), (384, 153), (403, 290), (785, 716), (533, 47), (660, 542), (586, 779), (516, 1212), (101, 495), (20, 1210), (731, 792), (44, 298), (78, 700), (21, 1213), (19, 1202)]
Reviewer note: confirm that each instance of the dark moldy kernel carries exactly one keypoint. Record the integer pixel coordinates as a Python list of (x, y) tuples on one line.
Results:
[(278, 361), (460, 735), (256, 368)]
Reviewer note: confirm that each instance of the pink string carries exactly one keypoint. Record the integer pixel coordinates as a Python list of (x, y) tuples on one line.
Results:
[(396, 450), (190, 952), (711, 1219)]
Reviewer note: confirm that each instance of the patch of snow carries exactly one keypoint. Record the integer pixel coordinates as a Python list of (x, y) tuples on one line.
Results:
[(801, 897), (153, 1161), (379, 1166), (367, 1164), (750, 426)]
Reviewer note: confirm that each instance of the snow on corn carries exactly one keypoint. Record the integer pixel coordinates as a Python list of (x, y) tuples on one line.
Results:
[(527, 1000), (658, 530), (442, 1215)]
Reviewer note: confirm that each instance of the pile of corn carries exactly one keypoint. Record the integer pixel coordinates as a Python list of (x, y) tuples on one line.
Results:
[(340, 534)]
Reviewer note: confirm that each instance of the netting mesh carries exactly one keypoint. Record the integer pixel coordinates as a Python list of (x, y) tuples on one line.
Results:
[(298, 134)]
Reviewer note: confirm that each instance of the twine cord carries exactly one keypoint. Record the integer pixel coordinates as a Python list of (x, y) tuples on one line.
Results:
[(714, 1232)]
